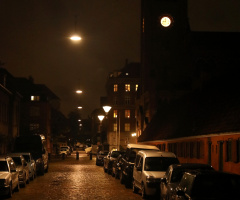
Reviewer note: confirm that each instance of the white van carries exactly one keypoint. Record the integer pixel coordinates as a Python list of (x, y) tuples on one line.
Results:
[(149, 168)]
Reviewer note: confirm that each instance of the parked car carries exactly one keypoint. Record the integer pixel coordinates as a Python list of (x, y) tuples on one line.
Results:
[(173, 176), (31, 165), (99, 157), (36, 145), (22, 168), (65, 150), (128, 160), (108, 160), (149, 168), (116, 166), (208, 185), (8, 176)]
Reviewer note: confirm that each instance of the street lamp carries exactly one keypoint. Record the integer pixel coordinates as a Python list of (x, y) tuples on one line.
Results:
[(100, 117), (79, 107), (75, 37), (107, 109), (79, 91)]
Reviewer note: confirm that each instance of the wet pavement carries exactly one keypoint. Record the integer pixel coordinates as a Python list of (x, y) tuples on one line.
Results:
[(75, 179)]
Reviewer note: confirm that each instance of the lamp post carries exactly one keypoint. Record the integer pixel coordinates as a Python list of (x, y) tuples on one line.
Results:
[(75, 37), (100, 117), (106, 109)]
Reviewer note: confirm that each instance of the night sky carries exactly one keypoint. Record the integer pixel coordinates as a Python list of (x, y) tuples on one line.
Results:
[(34, 41)]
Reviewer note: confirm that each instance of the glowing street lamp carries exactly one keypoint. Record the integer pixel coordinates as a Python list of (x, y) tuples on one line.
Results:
[(75, 37), (107, 109), (79, 91), (101, 117), (79, 107)]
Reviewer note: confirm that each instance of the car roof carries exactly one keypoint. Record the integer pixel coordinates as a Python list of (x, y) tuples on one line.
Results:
[(150, 153), (209, 173), (142, 146), (191, 166)]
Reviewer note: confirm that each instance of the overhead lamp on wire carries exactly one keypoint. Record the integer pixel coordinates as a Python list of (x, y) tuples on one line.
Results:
[(75, 36)]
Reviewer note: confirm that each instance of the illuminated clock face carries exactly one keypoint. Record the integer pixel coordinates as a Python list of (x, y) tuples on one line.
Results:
[(165, 21)]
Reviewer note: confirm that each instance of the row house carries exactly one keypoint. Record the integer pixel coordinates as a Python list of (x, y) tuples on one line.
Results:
[(122, 88), (9, 111)]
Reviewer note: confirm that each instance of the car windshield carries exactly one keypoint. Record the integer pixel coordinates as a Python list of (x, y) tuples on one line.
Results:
[(17, 161), (3, 166), (27, 158), (159, 163)]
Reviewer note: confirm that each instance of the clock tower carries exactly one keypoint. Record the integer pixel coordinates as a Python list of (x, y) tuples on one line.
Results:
[(164, 33)]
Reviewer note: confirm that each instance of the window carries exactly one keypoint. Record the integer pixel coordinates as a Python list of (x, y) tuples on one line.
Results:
[(127, 113), (33, 127), (115, 127), (35, 98), (127, 127), (136, 87), (127, 87), (115, 87), (115, 114), (34, 111), (127, 100), (115, 100)]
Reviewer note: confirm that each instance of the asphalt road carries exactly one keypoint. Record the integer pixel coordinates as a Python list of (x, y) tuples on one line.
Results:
[(75, 179)]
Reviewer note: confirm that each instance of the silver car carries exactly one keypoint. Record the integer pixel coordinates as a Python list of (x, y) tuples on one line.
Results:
[(22, 168), (31, 165), (8, 176)]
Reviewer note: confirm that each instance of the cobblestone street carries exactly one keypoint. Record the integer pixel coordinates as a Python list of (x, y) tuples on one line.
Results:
[(75, 179)]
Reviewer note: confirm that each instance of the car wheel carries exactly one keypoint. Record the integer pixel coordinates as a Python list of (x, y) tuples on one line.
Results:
[(116, 175), (24, 183), (17, 187), (46, 170), (10, 191), (104, 169), (122, 179), (135, 189), (143, 191)]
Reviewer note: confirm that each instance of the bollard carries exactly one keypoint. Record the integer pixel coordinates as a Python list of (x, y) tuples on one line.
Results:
[(77, 155), (90, 156)]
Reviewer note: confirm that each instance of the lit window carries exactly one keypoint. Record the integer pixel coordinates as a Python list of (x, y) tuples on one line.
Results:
[(115, 127), (127, 127), (127, 87), (115, 114), (127, 113), (35, 98), (33, 127), (136, 88), (115, 87)]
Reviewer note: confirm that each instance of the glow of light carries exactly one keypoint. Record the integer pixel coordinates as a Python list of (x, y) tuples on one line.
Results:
[(134, 134), (100, 117), (79, 107), (75, 38), (79, 91), (107, 108)]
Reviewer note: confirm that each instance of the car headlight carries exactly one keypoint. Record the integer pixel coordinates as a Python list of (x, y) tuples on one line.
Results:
[(39, 160), (150, 179), (6, 182)]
